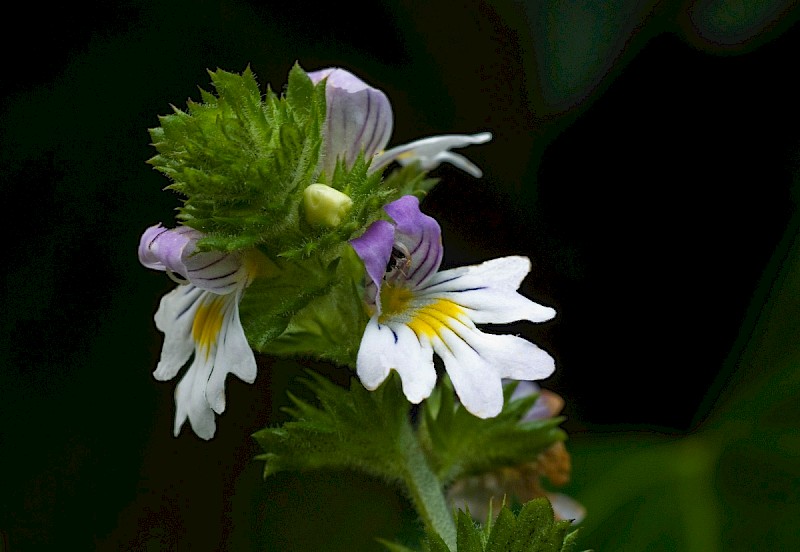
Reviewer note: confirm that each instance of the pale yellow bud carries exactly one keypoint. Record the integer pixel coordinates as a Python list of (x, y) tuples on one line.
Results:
[(325, 206)]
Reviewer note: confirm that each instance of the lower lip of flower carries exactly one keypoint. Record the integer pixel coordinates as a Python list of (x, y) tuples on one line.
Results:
[(207, 323), (428, 318)]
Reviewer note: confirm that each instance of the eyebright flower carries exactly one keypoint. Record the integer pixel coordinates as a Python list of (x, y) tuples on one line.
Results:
[(417, 311), (523, 482), (359, 117), (201, 316)]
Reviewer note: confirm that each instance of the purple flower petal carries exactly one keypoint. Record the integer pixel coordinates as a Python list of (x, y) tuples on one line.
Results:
[(165, 248), (174, 250), (420, 235), (374, 247), (547, 405), (358, 117)]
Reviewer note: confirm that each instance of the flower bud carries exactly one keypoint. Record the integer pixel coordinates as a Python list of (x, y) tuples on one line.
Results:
[(325, 206)]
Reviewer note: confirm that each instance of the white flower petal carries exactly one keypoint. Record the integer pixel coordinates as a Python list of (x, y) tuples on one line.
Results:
[(190, 399), (370, 365), (414, 363), (489, 306), (457, 160), (475, 380), (432, 151), (502, 273), (511, 356), (175, 317), (208, 325), (384, 348), (488, 290), (233, 355)]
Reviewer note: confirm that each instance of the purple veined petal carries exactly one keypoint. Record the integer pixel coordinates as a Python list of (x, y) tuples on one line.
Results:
[(374, 247), (421, 238), (217, 272), (163, 248), (358, 117), (432, 151), (174, 249)]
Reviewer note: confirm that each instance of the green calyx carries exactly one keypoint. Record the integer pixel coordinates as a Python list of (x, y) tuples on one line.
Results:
[(243, 161)]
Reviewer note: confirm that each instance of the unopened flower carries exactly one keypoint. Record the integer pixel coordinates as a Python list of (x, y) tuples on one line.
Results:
[(325, 206), (523, 482), (200, 317), (359, 117), (417, 310)]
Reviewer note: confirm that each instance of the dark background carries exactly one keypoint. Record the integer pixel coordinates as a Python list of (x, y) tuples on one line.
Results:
[(645, 157)]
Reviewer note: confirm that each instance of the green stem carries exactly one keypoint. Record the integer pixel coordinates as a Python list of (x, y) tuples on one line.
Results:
[(425, 488)]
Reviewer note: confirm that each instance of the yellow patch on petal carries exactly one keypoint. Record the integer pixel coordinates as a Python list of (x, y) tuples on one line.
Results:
[(394, 301), (208, 322), (431, 319)]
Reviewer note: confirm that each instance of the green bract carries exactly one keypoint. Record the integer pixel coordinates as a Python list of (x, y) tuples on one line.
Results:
[(459, 444), (532, 530), (243, 160)]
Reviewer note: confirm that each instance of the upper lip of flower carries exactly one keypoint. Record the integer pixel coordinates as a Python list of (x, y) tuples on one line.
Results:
[(174, 250), (419, 310), (359, 117)]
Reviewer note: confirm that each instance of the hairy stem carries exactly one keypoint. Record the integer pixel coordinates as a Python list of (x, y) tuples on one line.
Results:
[(425, 489)]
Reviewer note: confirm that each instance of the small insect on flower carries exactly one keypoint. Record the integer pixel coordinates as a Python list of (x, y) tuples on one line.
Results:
[(399, 262)]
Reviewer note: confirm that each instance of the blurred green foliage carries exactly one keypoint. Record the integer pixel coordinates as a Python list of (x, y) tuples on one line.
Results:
[(577, 45), (734, 482)]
